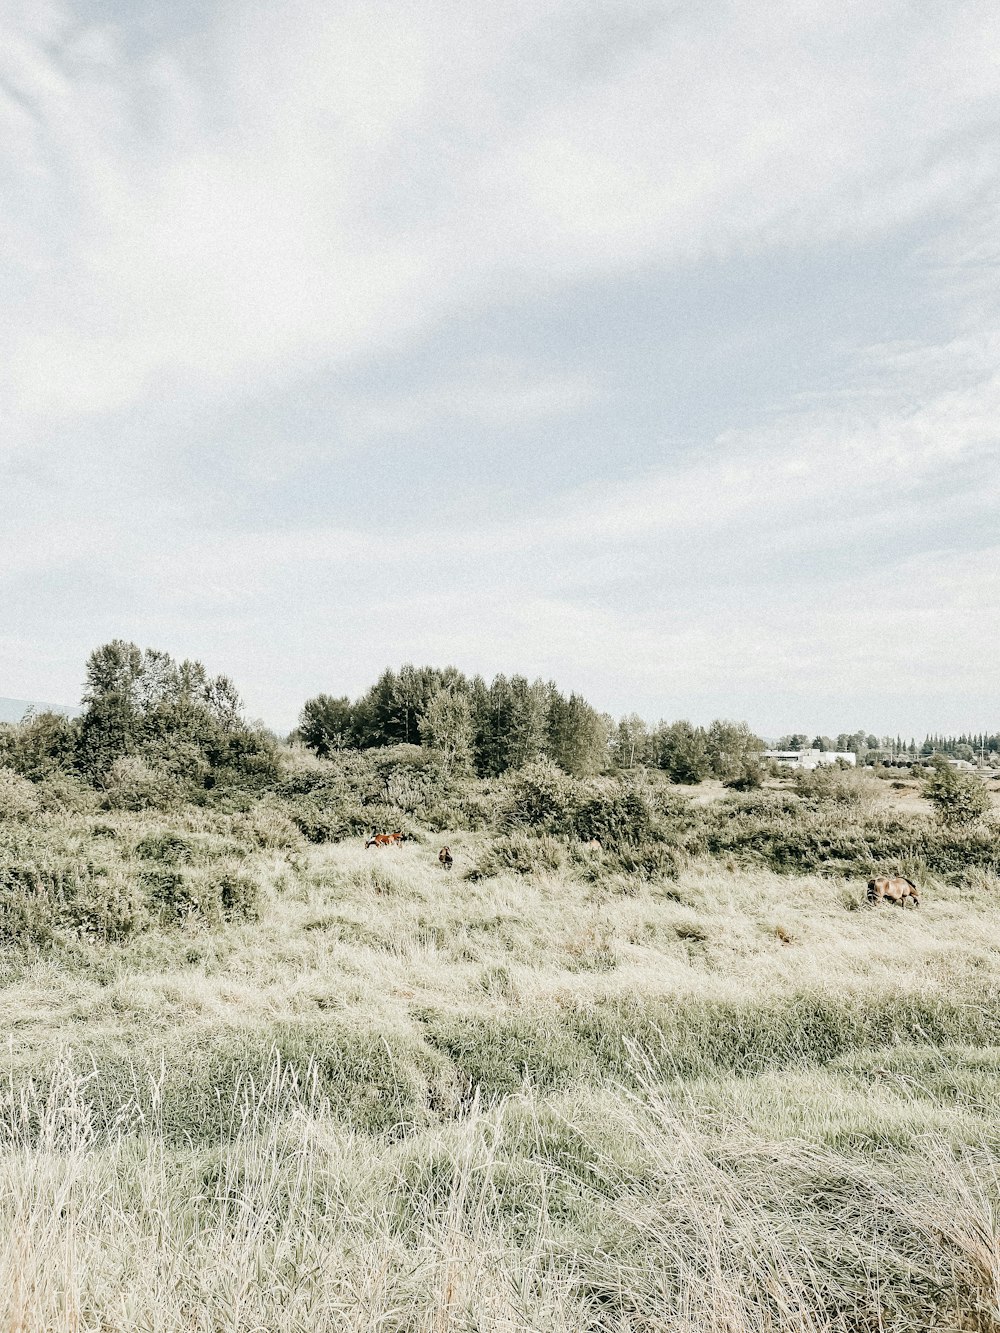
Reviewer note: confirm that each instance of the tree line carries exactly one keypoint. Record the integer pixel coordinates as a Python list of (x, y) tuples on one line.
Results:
[(862, 743), (492, 728)]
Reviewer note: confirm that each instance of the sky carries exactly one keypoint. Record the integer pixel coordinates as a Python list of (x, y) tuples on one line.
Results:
[(648, 347)]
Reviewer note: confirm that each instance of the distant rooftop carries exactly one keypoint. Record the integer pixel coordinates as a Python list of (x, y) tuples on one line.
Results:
[(809, 758)]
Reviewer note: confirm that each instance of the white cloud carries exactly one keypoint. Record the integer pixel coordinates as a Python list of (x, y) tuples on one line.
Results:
[(299, 188), (797, 560), (317, 180)]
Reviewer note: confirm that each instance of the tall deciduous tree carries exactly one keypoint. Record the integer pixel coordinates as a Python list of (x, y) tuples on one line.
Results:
[(577, 735), (681, 751), (171, 714), (446, 729), (733, 752), (326, 724), (630, 742)]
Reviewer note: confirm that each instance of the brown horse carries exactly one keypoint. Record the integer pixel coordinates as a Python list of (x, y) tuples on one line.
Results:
[(894, 889), (446, 858), (384, 840)]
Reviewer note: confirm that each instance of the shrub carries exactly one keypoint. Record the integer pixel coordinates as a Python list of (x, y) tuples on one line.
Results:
[(521, 854), (40, 898), (170, 848), (958, 798), (750, 779), (212, 895), (106, 906), (62, 792), (832, 785), (645, 861), (681, 750), (25, 907), (618, 813), (133, 784), (319, 824), (541, 796), (41, 745), (479, 805), (18, 798), (240, 897), (267, 825)]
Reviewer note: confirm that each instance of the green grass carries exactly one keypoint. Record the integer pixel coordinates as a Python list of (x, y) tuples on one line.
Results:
[(559, 1096)]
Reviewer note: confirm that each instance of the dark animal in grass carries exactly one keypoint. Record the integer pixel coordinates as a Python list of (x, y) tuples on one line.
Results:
[(384, 840), (446, 858), (893, 889)]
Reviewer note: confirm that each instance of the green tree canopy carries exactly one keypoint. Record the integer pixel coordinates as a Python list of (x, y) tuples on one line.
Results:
[(958, 798), (171, 714)]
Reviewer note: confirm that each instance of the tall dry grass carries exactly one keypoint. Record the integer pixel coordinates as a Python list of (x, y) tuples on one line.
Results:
[(718, 1099), (610, 1210)]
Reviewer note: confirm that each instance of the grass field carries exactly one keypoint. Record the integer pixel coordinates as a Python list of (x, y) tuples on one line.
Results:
[(408, 1099)]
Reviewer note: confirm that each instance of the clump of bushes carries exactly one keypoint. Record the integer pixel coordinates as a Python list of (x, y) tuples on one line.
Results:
[(63, 877), (522, 854), (204, 894), (793, 835), (647, 860), (617, 811), (18, 798), (618, 814), (321, 822), (133, 784), (39, 901), (830, 784), (541, 797)]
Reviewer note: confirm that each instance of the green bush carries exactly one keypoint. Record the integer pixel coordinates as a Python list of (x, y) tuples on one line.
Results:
[(322, 823), (619, 814), (958, 798), (39, 901), (26, 915), (180, 893), (133, 784), (42, 745), (646, 861), (65, 793), (522, 854), (831, 785), (541, 796), (267, 825), (170, 848), (240, 896), (18, 797), (791, 836)]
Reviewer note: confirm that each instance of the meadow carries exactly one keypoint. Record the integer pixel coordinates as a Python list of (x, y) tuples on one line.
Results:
[(257, 1077)]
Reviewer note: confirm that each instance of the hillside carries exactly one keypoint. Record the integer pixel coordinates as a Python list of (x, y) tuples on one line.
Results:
[(13, 710)]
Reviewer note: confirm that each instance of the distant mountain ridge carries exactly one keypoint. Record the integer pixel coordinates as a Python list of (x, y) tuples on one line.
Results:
[(12, 710)]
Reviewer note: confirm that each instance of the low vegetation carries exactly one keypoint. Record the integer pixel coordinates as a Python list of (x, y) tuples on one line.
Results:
[(643, 1058)]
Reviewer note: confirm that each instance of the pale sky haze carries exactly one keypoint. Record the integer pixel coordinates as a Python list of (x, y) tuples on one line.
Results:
[(650, 347)]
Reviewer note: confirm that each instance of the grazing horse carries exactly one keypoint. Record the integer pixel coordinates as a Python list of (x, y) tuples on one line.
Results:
[(384, 840), (893, 888), (446, 858)]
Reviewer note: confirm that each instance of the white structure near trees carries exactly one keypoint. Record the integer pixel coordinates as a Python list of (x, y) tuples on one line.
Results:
[(809, 758)]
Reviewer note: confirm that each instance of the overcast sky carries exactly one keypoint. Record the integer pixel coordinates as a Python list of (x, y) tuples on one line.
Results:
[(650, 347)]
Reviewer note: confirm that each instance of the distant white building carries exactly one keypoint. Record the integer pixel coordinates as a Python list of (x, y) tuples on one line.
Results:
[(810, 758)]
